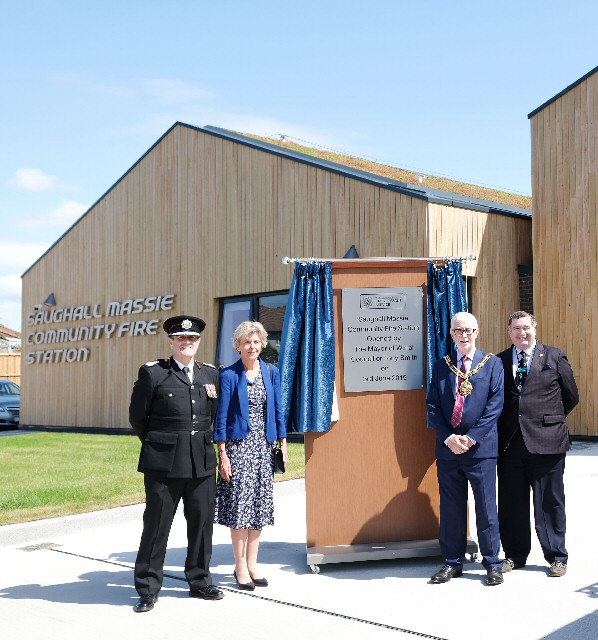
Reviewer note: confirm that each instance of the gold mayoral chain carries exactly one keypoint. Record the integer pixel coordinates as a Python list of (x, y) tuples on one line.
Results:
[(465, 388)]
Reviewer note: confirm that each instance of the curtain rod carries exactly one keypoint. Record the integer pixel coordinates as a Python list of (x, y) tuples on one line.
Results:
[(287, 260)]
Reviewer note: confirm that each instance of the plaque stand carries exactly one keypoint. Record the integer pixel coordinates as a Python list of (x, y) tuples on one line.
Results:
[(370, 482), (387, 551)]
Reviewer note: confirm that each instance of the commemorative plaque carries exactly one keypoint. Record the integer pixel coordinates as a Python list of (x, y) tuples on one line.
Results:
[(383, 339)]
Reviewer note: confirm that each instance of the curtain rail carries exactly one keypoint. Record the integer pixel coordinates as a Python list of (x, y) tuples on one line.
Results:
[(287, 260)]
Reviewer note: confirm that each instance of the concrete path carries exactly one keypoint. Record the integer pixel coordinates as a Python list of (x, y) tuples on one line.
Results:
[(71, 578)]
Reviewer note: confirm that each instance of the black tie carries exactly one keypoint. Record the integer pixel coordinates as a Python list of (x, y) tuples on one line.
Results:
[(186, 371), (521, 374)]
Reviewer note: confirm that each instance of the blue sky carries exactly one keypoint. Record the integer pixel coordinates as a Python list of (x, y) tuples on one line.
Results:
[(440, 87)]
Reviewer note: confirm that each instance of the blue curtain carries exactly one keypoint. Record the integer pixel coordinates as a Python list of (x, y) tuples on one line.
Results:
[(307, 351), (446, 296)]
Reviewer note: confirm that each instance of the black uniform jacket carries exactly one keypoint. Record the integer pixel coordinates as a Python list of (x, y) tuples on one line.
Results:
[(548, 395), (174, 419)]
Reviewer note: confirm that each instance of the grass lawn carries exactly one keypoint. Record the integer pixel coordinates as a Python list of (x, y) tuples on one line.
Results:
[(47, 475)]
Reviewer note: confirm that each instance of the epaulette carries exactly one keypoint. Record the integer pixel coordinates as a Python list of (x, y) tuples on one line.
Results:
[(207, 364), (154, 362)]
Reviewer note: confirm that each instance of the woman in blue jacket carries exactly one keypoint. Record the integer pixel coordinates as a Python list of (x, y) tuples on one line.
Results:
[(248, 424)]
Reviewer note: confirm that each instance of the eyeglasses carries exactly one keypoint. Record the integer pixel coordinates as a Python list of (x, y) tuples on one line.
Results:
[(463, 332)]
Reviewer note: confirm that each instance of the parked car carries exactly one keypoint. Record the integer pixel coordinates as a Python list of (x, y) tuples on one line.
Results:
[(10, 403)]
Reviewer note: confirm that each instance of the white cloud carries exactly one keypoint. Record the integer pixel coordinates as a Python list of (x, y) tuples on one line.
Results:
[(30, 179), (88, 83), (193, 104), (169, 91), (272, 127), (67, 212), (152, 126), (155, 124), (10, 313), (19, 256), (10, 285), (10, 298), (61, 217), (163, 90)]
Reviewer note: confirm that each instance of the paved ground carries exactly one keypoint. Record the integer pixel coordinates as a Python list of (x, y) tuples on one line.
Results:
[(71, 578)]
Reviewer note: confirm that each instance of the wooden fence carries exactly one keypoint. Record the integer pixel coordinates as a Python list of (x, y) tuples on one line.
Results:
[(10, 366)]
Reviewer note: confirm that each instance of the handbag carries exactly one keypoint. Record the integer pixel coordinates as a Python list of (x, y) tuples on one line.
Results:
[(277, 457), (278, 460)]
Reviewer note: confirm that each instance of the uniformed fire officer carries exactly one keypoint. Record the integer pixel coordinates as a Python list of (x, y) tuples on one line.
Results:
[(172, 410)]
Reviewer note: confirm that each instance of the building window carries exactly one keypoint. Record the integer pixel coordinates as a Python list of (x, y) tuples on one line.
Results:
[(526, 288), (233, 311), (468, 281), (268, 308)]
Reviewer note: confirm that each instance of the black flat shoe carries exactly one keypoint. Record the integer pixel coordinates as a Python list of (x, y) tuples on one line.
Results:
[(145, 603), (209, 593), (248, 586), (445, 574)]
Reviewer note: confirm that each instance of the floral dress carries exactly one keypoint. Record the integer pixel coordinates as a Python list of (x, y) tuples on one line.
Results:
[(247, 501)]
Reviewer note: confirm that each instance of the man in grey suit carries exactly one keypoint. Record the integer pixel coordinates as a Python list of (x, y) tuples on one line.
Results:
[(540, 390)]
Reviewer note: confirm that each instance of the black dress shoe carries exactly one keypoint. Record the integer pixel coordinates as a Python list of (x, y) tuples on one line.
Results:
[(209, 593), (259, 582), (146, 603), (248, 586), (494, 576), (445, 574)]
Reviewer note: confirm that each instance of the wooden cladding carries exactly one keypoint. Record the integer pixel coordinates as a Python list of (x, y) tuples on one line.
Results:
[(206, 218), (565, 239), (500, 244)]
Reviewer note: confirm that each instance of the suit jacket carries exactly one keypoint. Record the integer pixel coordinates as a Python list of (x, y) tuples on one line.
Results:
[(232, 420), (481, 409), (548, 395), (174, 419)]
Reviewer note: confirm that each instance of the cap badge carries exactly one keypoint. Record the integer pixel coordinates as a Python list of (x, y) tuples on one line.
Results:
[(186, 324)]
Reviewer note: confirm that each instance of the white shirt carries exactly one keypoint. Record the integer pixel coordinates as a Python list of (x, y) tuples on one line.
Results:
[(190, 367)]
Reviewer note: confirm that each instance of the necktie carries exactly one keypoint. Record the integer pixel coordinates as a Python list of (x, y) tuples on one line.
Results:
[(187, 372), (459, 400), (521, 373)]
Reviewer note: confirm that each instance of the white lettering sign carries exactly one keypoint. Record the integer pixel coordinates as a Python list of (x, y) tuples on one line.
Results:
[(41, 335)]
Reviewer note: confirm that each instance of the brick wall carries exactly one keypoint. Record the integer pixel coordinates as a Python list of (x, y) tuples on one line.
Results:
[(526, 288)]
